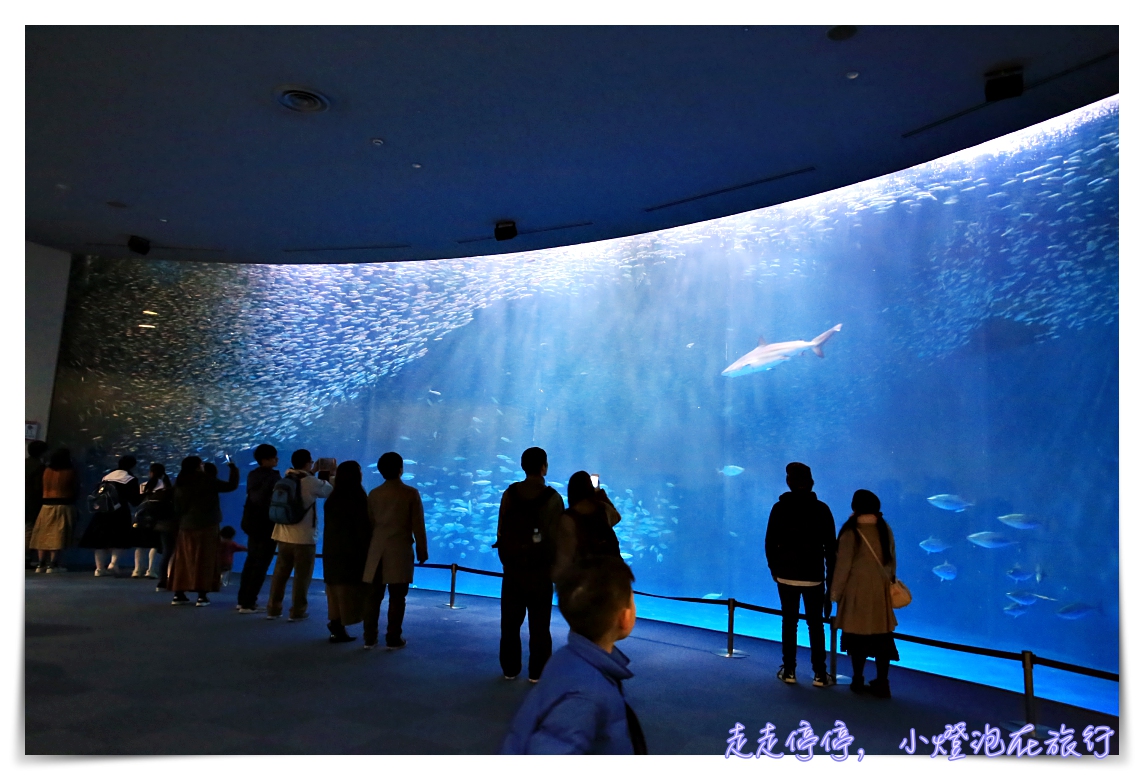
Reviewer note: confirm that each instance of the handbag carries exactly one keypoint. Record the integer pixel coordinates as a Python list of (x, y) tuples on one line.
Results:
[(900, 595)]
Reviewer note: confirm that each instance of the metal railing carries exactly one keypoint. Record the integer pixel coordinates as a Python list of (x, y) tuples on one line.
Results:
[(1027, 658)]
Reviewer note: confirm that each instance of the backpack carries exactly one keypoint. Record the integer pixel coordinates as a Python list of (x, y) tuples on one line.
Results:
[(524, 542), (148, 514), (105, 499), (286, 502), (594, 535)]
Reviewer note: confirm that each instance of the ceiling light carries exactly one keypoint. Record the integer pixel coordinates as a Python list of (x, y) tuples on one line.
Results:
[(162, 220), (416, 165), (305, 101), (377, 141), (852, 75)]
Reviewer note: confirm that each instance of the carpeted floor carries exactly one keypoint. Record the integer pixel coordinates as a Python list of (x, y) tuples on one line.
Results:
[(112, 668)]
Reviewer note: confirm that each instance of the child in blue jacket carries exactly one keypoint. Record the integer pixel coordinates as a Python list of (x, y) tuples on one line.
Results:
[(578, 706)]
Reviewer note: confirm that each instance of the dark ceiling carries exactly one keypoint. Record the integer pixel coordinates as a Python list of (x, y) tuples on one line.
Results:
[(577, 134)]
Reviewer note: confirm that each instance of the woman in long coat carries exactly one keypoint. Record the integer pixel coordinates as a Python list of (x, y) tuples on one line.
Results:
[(865, 567), (195, 564), (345, 544), (56, 519), (110, 533)]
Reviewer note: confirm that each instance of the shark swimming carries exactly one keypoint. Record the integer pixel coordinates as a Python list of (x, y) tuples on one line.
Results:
[(766, 356)]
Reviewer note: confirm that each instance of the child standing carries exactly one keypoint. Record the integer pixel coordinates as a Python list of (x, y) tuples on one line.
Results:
[(227, 547), (578, 706)]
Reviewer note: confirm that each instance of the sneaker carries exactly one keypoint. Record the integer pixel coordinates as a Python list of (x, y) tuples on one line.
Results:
[(293, 619), (336, 639), (369, 645), (160, 588), (534, 681), (41, 569), (510, 678), (202, 601), (821, 679), (55, 570), (400, 643), (178, 601), (245, 610), (272, 617), (785, 676)]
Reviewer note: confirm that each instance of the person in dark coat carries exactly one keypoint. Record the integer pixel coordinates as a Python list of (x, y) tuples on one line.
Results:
[(578, 706), (800, 547), (345, 545), (585, 529), (110, 533), (258, 528), (529, 514), (160, 495), (33, 491), (195, 564)]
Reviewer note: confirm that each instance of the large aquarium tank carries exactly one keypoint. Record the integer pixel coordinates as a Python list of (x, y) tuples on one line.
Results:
[(946, 336)]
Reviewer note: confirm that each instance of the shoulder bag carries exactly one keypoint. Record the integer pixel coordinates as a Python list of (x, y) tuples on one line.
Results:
[(899, 594)]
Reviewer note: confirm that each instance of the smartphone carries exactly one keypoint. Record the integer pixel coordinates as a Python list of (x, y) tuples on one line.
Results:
[(595, 480), (326, 464), (226, 455)]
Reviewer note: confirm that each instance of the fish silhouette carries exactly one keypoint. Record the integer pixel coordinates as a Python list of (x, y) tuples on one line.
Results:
[(1076, 611), (730, 471), (1026, 598), (946, 571), (990, 540), (1017, 574), (933, 545), (1019, 521), (1016, 610), (950, 502), (766, 356)]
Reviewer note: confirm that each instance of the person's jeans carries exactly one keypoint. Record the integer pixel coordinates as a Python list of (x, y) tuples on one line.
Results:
[(812, 597), (397, 593), (167, 540), (298, 558), (523, 592), (259, 554)]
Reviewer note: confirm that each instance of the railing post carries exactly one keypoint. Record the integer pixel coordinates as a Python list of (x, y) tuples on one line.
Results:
[(731, 652), (452, 588), (1027, 660), (833, 651)]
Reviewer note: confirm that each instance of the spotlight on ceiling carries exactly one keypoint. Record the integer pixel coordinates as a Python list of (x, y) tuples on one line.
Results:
[(304, 101), (842, 32), (504, 230), (1004, 83), (138, 245)]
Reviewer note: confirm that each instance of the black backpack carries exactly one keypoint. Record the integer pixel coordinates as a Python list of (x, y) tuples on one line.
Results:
[(524, 542), (594, 534), (105, 499)]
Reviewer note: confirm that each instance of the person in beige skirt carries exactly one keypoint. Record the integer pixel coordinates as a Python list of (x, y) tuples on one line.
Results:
[(56, 519), (344, 547), (865, 567)]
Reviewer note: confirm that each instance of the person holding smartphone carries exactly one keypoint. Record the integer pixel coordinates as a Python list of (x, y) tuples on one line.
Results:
[(585, 529)]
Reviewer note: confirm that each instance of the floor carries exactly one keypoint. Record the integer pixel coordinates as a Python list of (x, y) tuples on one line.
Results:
[(112, 668)]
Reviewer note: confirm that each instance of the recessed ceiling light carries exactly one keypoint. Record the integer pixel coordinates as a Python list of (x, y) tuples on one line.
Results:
[(377, 141), (852, 75), (416, 165), (305, 101)]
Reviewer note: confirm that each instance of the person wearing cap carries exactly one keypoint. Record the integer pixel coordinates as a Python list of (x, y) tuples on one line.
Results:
[(801, 548)]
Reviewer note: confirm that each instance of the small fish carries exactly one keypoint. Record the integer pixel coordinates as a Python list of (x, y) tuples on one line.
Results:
[(990, 540), (946, 571), (409, 462), (1017, 574), (459, 457), (504, 457), (933, 545), (733, 534), (626, 556), (669, 484), (1019, 521), (409, 476), (1040, 572), (1015, 609), (718, 595), (1076, 611), (478, 420), (253, 463), (556, 484), (692, 344), (504, 439), (482, 482), (1025, 597), (406, 438), (730, 471), (495, 401), (949, 502)]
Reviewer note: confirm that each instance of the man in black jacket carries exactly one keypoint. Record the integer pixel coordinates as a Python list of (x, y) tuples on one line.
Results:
[(256, 523), (800, 543)]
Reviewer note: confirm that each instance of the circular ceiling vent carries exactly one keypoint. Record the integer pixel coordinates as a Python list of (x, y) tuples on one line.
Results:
[(305, 101)]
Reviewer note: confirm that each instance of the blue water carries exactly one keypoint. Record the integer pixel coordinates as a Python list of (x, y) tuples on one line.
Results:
[(974, 378)]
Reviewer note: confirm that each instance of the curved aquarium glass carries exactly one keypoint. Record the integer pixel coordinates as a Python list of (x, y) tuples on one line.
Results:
[(966, 312)]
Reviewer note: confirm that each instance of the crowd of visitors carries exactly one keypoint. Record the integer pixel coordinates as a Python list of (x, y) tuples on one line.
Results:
[(370, 542)]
